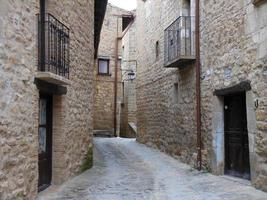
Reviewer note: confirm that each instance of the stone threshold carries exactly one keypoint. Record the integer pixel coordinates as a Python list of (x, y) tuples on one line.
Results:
[(52, 189), (238, 180)]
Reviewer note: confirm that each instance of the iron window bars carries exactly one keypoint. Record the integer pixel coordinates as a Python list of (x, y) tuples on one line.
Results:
[(57, 46), (179, 40)]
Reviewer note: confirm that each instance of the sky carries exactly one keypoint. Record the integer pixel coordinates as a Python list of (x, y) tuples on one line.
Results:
[(125, 4)]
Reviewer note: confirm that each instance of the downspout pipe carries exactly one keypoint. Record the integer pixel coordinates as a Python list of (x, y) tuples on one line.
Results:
[(116, 85), (116, 77), (198, 89), (42, 35)]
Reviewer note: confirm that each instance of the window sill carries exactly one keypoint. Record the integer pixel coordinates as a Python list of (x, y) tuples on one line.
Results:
[(103, 74)]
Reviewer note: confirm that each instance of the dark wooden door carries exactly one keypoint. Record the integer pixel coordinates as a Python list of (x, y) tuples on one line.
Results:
[(45, 141), (236, 136)]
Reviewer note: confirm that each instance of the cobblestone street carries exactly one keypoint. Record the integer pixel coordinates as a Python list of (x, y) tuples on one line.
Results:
[(124, 169)]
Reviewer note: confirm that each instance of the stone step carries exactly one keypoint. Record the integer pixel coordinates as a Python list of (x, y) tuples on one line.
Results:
[(103, 133), (133, 126)]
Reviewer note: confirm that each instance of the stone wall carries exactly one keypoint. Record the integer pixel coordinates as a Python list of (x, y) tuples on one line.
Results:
[(19, 96), (165, 96), (77, 105), (233, 49), (129, 86), (104, 84), (18, 100)]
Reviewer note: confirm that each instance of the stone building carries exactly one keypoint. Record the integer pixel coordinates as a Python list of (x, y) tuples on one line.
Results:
[(108, 80), (46, 92), (234, 88), (233, 55), (129, 69), (165, 96)]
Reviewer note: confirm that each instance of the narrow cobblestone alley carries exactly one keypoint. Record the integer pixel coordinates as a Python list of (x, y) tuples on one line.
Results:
[(124, 169)]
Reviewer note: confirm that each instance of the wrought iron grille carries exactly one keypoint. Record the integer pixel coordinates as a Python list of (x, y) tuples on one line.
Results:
[(57, 47), (179, 39)]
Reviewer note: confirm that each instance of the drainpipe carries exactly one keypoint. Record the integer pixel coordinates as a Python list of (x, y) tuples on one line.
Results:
[(116, 77), (198, 89), (115, 85), (42, 35)]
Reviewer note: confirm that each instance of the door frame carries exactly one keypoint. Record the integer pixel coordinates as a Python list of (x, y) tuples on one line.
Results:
[(218, 143), (49, 141)]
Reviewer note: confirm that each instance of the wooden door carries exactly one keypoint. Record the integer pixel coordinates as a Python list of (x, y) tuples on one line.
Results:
[(236, 136), (45, 141)]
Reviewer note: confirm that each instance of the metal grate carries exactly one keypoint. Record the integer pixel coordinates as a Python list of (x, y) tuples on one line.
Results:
[(179, 39), (57, 46)]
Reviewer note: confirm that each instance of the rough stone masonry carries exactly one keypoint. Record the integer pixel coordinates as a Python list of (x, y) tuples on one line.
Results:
[(104, 89), (165, 97), (233, 52), (72, 131)]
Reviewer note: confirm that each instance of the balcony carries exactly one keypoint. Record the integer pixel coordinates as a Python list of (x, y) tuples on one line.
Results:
[(53, 51), (179, 50)]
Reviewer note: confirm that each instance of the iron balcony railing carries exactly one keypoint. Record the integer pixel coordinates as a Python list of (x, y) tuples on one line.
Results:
[(57, 46), (179, 41)]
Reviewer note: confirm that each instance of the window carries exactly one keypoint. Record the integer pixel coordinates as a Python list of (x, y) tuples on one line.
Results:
[(119, 63), (103, 66), (53, 46), (126, 20), (175, 93), (157, 49), (188, 7)]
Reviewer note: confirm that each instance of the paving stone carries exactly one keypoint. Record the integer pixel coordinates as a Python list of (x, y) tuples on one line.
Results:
[(125, 169)]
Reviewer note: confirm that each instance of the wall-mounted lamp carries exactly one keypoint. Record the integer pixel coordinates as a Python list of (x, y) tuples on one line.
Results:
[(130, 75)]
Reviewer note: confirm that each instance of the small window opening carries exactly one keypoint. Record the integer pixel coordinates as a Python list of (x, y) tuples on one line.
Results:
[(186, 8), (126, 20), (157, 49), (119, 63), (103, 66), (175, 93)]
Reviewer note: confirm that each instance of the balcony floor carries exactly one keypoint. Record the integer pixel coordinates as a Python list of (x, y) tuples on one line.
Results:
[(52, 78), (180, 62)]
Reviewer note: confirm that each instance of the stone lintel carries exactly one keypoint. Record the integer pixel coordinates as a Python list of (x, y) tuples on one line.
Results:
[(258, 2), (50, 88), (241, 87)]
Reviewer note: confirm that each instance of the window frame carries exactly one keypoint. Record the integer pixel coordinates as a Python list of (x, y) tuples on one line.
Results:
[(100, 73), (126, 21)]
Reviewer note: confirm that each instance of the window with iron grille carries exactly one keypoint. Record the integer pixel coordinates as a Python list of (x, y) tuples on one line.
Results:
[(57, 46), (179, 42)]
